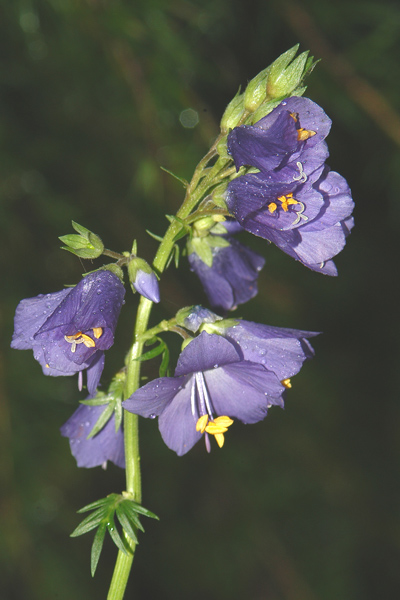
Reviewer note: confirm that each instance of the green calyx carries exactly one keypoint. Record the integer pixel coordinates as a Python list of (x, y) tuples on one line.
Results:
[(84, 244)]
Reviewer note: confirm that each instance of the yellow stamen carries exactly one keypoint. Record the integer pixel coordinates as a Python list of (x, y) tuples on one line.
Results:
[(202, 423), (304, 134), (97, 332), (79, 338), (224, 421), (219, 425), (287, 383), (287, 201), (72, 338), (272, 207), (220, 439), (87, 340), (216, 427)]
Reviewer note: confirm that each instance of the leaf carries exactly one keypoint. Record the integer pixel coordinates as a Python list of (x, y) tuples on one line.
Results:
[(93, 505), (164, 363), (98, 401), (90, 522), (102, 420), (181, 179), (138, 508), (176, 252), (152, 353), (115, 536), (97, 547), (125, 521)]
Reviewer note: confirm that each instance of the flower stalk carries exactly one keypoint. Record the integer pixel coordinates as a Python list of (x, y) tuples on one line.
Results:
[(204, 178)]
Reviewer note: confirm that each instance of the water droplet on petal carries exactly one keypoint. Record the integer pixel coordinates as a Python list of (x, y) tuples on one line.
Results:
[(152, 416), (216, 366)]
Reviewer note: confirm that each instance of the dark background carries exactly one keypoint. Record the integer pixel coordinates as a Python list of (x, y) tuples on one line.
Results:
[(304, 505)]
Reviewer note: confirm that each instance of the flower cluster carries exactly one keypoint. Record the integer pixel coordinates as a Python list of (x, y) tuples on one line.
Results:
[(294, 200), (69, 330), (237, 373)]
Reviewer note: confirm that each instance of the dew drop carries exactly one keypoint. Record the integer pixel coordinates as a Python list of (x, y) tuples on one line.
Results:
[(152, 416), (216, 366)]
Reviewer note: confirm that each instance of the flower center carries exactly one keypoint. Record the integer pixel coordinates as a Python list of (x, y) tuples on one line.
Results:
[(285, 201), (82, 338), (216, 427)]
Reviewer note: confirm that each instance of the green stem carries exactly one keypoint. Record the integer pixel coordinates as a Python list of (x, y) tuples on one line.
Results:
[(195, 191)]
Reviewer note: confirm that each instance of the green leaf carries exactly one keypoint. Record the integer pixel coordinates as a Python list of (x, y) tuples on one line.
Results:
[(97, 547), (90, 522), (102, 420), (181, 179), (115, 536), (138, 508), (99, 400), (176, 252), (154, 236), (93, 505), (118, 416), (152, 353), (164, 363), (125, 521)]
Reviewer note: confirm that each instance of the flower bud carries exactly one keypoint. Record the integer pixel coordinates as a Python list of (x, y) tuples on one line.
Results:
[(192, 317), (143, 279), (85, 245), (284, 77), (233, 113), (256, 91)]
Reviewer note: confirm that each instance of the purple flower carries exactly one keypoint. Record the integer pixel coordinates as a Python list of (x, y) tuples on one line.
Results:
[(231, 279), (278, 349), (212, 386), (106, 445), (69, 330), (295, 201)]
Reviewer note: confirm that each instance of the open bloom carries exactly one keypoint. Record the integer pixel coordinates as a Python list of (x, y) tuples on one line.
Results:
[(294, 200), (230, 277), (212, 386), (107, 444), (69, 330)]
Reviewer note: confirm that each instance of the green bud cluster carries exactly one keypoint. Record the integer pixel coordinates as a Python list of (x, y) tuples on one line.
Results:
[(283, 78)]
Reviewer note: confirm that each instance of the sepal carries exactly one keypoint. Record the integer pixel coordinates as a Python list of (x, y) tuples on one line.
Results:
[(85, 245)]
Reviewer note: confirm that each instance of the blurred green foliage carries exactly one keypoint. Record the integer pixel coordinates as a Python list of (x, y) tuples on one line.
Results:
[(304, 505)]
